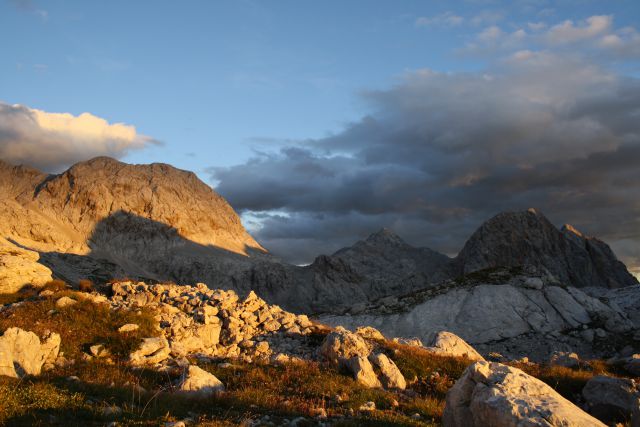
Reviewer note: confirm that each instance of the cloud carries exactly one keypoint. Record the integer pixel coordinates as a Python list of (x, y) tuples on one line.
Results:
[(595, 36), (439, 153), (446, 19), (568, 32), (52, 141)]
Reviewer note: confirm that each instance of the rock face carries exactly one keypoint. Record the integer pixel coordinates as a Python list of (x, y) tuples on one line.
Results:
[(22, 353), (492, 394), (512, 312), (19, 267), (528, 238)]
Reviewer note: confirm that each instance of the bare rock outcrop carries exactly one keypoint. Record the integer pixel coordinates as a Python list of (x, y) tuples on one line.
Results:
[(20, 267), (22, 352), (513, 239), (492, 394)]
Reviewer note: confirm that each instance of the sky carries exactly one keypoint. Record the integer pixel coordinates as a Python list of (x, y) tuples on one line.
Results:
[(321, 122)]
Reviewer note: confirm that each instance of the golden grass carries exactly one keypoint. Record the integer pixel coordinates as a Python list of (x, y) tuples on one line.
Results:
[(80, 325)]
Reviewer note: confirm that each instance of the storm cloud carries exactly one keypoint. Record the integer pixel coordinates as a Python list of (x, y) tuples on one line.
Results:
[(53, 141), (439, 153)]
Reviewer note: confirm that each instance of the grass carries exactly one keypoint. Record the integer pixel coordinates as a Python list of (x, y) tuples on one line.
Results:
[(82, 324)]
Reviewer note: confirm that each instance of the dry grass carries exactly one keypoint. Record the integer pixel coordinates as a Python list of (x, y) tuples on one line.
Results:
[(80, 325)]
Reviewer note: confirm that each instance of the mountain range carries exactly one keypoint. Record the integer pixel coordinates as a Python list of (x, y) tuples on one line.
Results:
[(103, 219)]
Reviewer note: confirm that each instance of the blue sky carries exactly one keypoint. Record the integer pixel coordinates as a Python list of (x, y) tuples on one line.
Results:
[(322, 121), (215, 78)]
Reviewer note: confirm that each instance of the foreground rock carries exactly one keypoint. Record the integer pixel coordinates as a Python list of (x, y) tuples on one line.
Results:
[(447, 344), (613, 399), (196, 320), (352, 352), (197, 381), (22, 353), (492, 394)]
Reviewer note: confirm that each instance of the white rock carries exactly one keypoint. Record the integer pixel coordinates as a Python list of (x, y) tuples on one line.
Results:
[(492, 394), (391, 377), (151, 351), (198, 381), (448, 344), (362, 371), (22, 353)]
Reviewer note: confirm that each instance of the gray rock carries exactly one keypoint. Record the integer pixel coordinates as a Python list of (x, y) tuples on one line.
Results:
[(492, 394), (22, 353)]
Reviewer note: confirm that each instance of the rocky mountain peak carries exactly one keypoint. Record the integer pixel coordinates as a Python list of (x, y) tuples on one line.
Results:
[(385, 236), (528, 238), (570, 229)]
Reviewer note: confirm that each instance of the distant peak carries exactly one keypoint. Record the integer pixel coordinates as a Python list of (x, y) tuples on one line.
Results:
[(384, 235)]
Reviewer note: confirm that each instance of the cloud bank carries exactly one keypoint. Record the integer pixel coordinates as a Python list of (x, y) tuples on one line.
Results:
[(439, 153), (53, 141)]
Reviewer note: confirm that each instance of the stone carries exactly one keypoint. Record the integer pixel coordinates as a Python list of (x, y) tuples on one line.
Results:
[(412, 342), (492, 394), (611, 399), (340, 345), (151, 351), (362, 371), (367, 406), (129, 327), (65, 302), (22, 353), (566, 359), (390, 375), (369, 333), (19, 267), (200, 382), (449, 344)]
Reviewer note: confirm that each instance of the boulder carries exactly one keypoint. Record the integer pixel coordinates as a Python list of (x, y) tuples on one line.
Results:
[(151, 351), (566, 359), (391, 377), (129, 327), (369, 333), (493, 394), (341, 345), (362, 371), (448, 344), (65, 302), (200, 382), (22, 353), (612, 399)]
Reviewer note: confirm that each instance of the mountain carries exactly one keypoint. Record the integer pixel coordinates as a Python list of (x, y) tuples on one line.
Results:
[(528, 238), (104, 219)]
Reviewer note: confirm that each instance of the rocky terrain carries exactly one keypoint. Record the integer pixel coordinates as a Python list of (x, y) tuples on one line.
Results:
[(190, 355), (103, 219)]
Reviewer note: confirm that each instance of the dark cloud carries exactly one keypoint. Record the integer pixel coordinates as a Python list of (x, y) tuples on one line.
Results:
[(439, 153)]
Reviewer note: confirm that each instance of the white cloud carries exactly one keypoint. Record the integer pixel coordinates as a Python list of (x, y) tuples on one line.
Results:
[(446, 19), (51, 141), (568, 32)]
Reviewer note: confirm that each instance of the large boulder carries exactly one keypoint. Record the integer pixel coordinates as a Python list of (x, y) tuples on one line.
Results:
[(200, 382), (362, 371), (612, 399), (22, 353), (341, 345), (448, 344), (390, 375), (493, 394)]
